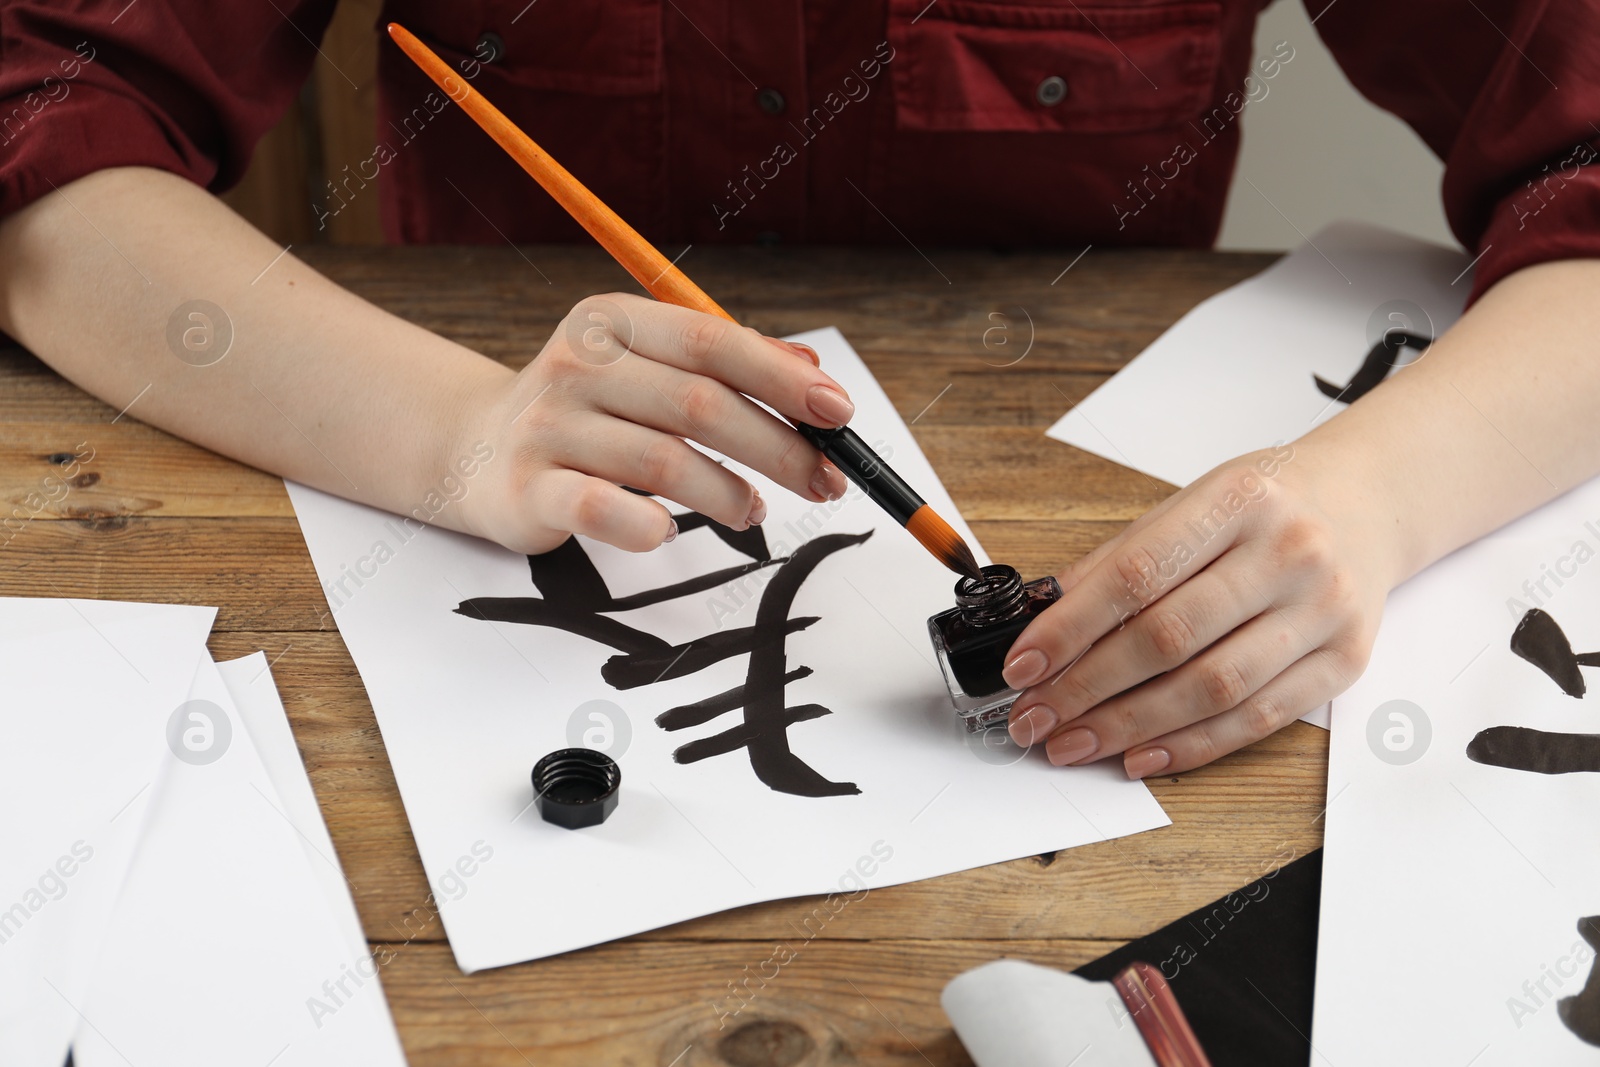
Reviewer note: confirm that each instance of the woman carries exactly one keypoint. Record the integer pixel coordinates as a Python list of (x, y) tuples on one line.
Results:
[(807, 120)]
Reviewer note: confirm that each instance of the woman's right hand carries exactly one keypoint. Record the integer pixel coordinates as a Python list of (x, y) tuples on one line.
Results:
[(611, 401)]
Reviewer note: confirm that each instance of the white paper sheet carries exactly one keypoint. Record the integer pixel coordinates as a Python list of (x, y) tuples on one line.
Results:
[(89, 686), (467, 707), (1452, 888), (255, 697), (226, 945), (1236, 373)]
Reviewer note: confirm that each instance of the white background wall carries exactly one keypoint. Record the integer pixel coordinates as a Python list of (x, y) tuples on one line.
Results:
[(1319, 151)]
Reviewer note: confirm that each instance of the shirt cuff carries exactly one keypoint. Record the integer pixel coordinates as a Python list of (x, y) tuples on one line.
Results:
[(89, 130), (1556, 215)]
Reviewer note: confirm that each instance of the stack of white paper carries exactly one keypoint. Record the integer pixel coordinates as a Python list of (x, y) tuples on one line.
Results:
[(168, 890)]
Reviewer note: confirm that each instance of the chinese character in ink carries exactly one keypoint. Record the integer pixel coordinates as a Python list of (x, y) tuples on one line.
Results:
[(1379, 362), (1539, 640), (1581, 1013), (576, 599)]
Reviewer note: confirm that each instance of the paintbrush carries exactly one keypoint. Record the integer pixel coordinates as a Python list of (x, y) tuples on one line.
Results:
[(667, 283)]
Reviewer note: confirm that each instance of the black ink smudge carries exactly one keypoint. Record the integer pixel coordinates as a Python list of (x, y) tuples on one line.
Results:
[(1519, 748)]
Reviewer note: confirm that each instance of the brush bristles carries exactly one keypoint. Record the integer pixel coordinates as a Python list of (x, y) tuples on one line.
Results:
[(947, 546)]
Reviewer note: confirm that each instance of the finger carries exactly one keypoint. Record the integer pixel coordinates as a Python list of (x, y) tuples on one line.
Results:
[(1310, 682), (705, 410), (708, 345), (1223, 677), (621, 451), (1206, 608), (568, 501), (1126, 580), (805, 352), (1074, 572)]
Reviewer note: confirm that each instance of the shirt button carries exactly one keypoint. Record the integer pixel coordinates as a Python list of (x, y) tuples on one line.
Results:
[(1051, 91), (770, 101), (491, 47)]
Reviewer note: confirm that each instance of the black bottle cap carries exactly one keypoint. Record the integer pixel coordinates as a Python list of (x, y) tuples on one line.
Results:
[(576, 787)]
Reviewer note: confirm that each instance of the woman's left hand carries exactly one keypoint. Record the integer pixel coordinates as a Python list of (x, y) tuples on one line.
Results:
[(1229, 610)]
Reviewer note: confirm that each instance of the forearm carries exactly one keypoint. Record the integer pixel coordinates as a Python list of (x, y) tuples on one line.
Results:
[(1498, 417), (318, 385)]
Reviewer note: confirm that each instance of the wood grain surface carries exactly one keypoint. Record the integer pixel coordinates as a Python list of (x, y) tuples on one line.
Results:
[(980, 351)]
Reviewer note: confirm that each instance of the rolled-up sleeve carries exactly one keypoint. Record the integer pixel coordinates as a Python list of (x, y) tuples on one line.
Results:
[(1507, 93), (187, 87)]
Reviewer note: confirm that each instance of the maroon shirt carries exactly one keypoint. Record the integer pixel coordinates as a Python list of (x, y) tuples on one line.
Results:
[(847, 121)]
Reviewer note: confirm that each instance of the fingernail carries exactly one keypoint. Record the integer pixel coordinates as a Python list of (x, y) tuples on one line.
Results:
[(1032, 724), (1072, 746), (1025, 668), (829, 405), (827, 482), (672, 531), (758, 510), (1144, 763), (805, 351), (838, 484)]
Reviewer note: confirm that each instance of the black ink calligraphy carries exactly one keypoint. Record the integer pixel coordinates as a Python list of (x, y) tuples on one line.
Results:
[(577, 600), (1581, 1013), (1379, 362), (1540, 640), (1521, 748)]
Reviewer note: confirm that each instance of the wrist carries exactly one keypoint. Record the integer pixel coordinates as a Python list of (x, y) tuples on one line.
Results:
[(469, 439), (1348, 480)]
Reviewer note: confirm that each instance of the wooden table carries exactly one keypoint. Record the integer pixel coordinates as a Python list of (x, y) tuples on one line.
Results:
[(154, 518)]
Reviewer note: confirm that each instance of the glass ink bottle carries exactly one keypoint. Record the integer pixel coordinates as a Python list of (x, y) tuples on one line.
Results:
[(972, 639)]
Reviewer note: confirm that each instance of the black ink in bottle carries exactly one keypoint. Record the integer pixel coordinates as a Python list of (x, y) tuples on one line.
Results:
[(972, 639)]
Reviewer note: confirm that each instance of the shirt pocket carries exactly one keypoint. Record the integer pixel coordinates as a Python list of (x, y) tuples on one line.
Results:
[(976, 65), (568, 46)]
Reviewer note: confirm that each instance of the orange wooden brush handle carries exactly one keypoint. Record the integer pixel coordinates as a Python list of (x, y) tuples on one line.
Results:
[(638, 257), (660, 278)]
